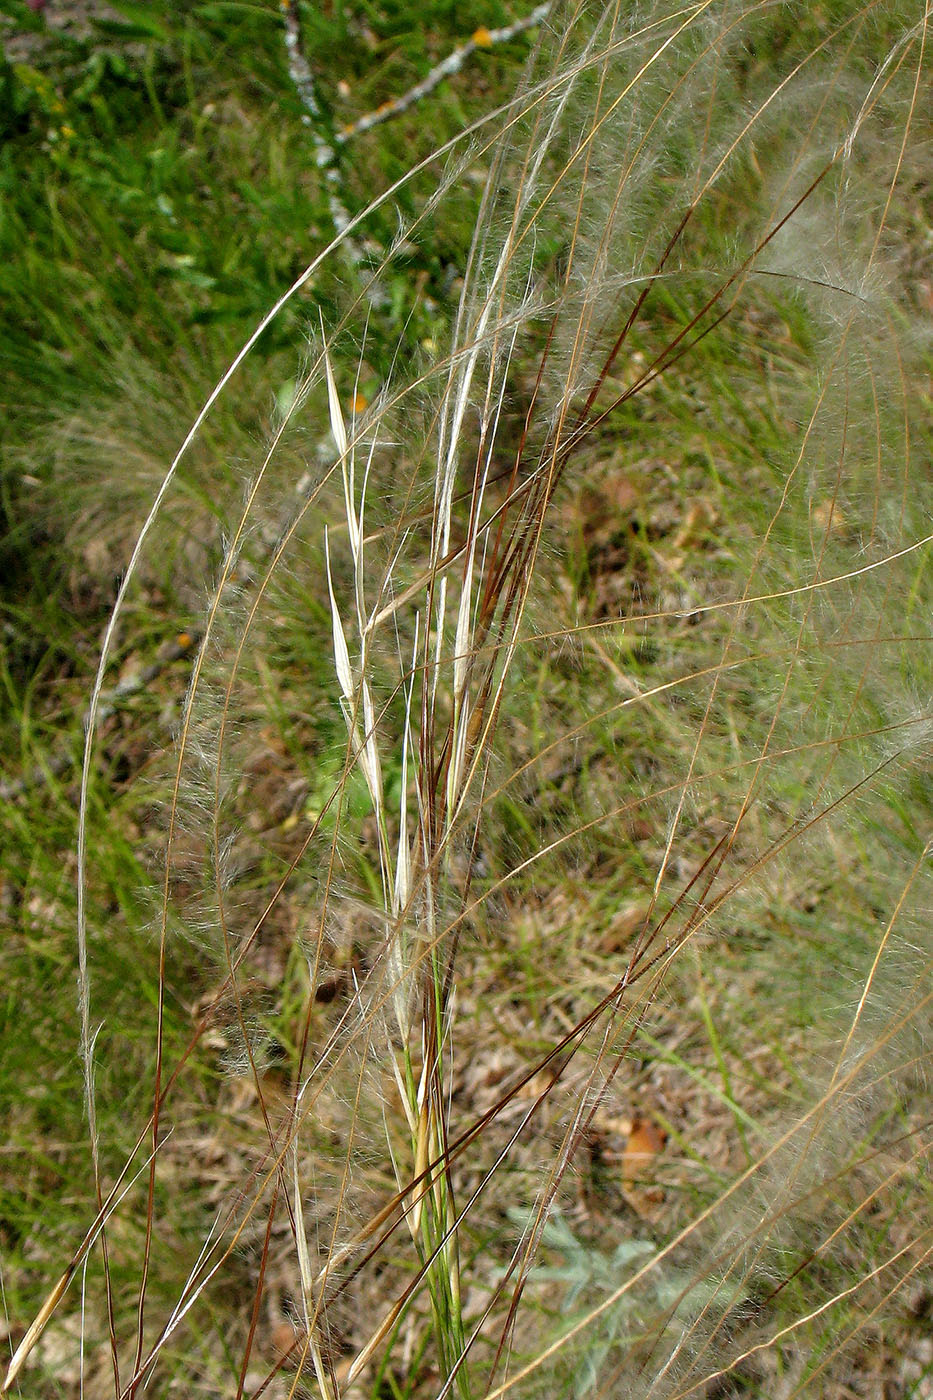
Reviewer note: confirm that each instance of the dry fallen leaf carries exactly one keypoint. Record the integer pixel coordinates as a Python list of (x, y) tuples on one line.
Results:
[(829, 518), (645, 1141)]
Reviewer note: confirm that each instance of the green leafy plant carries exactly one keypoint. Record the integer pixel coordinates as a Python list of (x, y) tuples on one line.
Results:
[(591, 1275)]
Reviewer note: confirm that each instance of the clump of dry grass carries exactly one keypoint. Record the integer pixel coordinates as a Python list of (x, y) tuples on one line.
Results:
[(687, 260)]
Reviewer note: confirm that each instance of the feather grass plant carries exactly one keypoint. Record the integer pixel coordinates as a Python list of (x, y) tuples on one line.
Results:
[(689, 274)]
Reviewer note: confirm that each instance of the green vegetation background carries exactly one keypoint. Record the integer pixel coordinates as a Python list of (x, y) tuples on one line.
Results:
[(158, 191)]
